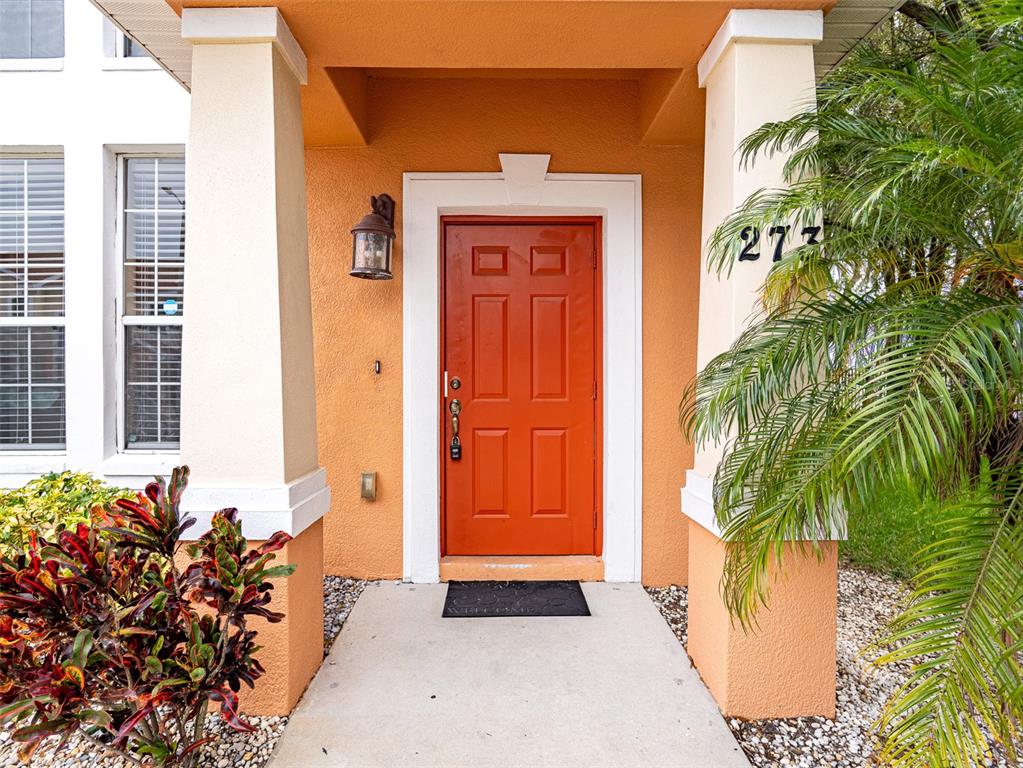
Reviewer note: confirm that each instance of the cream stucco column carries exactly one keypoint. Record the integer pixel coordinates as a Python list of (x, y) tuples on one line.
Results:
[(248, 421), (758, 68)]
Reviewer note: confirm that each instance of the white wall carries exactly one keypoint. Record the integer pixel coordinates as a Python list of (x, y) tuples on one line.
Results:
[(90, 107)]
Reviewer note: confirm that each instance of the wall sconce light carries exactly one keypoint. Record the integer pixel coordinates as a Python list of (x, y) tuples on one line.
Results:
[(373, 240)]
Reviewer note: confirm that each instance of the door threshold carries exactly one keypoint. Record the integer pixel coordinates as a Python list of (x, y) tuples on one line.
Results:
[(521, 568)]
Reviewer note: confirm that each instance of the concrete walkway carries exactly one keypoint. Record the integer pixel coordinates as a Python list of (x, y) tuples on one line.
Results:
[(404, 687)]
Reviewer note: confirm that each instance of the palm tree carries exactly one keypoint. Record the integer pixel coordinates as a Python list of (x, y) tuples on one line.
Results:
[(892, 353)]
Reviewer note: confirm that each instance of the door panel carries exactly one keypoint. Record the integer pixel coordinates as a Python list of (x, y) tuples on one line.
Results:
[(521, 334)]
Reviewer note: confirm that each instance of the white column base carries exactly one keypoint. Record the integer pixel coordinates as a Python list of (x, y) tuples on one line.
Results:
[(265, 509), (698, 506), (698, 502)]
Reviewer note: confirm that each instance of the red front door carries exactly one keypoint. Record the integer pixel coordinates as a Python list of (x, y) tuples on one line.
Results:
[(521, 350)]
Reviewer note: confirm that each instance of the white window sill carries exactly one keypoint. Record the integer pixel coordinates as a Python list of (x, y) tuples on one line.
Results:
[(31, 65), (129, 64), (18, 467), (143, 464)]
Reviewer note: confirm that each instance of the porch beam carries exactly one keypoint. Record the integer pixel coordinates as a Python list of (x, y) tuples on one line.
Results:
[(758, 68), (670, 107)]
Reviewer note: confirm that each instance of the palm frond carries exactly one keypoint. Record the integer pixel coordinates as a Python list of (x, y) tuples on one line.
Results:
[(891, 353), (960, 631)]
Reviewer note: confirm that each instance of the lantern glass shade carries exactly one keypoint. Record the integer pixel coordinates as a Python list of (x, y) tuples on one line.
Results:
[(372, 241), (371, 255)]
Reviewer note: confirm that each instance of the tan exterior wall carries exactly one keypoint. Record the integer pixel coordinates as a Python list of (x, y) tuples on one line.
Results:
[(245, 145), (292, 650), (588, 126), (248, 348), (786, 668)]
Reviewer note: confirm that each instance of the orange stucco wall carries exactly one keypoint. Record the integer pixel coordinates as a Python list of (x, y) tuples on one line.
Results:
[(786, 668), (587, 126), (291, 650)]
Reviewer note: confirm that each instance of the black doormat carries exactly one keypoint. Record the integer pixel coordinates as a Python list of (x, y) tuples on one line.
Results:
[(476, 599)]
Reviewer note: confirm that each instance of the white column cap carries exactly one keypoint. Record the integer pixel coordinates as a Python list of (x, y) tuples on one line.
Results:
[(761, 26), (245, 25)]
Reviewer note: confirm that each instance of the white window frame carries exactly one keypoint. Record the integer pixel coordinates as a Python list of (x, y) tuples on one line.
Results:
[(114, 41), (120, 320), (31, 65), (34, 455)]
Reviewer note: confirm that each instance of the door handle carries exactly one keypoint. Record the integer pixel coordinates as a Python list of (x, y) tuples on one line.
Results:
[(456, 443), (455, 408)]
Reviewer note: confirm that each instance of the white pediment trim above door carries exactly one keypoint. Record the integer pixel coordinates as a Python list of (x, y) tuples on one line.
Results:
[(524, 177)]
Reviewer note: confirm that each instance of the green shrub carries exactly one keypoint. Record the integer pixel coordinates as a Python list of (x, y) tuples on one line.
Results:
[(49, 504), (120, 632), (896, 524)]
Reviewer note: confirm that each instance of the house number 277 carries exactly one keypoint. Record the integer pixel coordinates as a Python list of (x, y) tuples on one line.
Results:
[(750, 237)]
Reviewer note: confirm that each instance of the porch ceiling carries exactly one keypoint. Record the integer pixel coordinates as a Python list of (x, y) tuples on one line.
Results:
[(655, 42)]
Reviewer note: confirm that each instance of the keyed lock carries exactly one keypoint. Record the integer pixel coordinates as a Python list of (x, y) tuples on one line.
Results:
[(456, 383), (456, 444)]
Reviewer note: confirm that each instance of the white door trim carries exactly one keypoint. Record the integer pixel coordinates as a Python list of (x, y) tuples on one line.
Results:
[(617, 198)]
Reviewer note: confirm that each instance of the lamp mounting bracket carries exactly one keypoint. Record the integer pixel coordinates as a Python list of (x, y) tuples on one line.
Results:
[(383, 205)]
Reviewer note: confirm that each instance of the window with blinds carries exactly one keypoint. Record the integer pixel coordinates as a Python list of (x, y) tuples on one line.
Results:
[(119, 45), (152, 300), (31, 29), (32, 303)]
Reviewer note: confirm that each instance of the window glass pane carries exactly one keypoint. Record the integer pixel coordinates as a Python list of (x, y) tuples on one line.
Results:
[(141, 183), (32, 238), (139, 236), (45, 181), (12, 265), (172, 183), (171, 236), (153, 386), (139, 289), (12, 184), (13, 355), (15, 29), (154, 237), (131, 48), (47, 29), (32, 387), (45, 291), (15, 421), (31, 29)]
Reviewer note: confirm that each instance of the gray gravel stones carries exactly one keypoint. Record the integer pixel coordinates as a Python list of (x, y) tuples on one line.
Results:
[(866, 602), (339, 596), (230, 748), (673, 602), (242, 750)]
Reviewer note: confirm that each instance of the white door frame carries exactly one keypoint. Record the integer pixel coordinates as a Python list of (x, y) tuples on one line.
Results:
[(523, 188)]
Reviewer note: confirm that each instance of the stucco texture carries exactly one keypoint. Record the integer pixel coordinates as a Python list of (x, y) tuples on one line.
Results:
[(786, 667), (291, 650), (461, 124)]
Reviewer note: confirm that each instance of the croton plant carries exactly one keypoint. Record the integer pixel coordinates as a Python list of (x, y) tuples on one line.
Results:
[(122, 633)]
